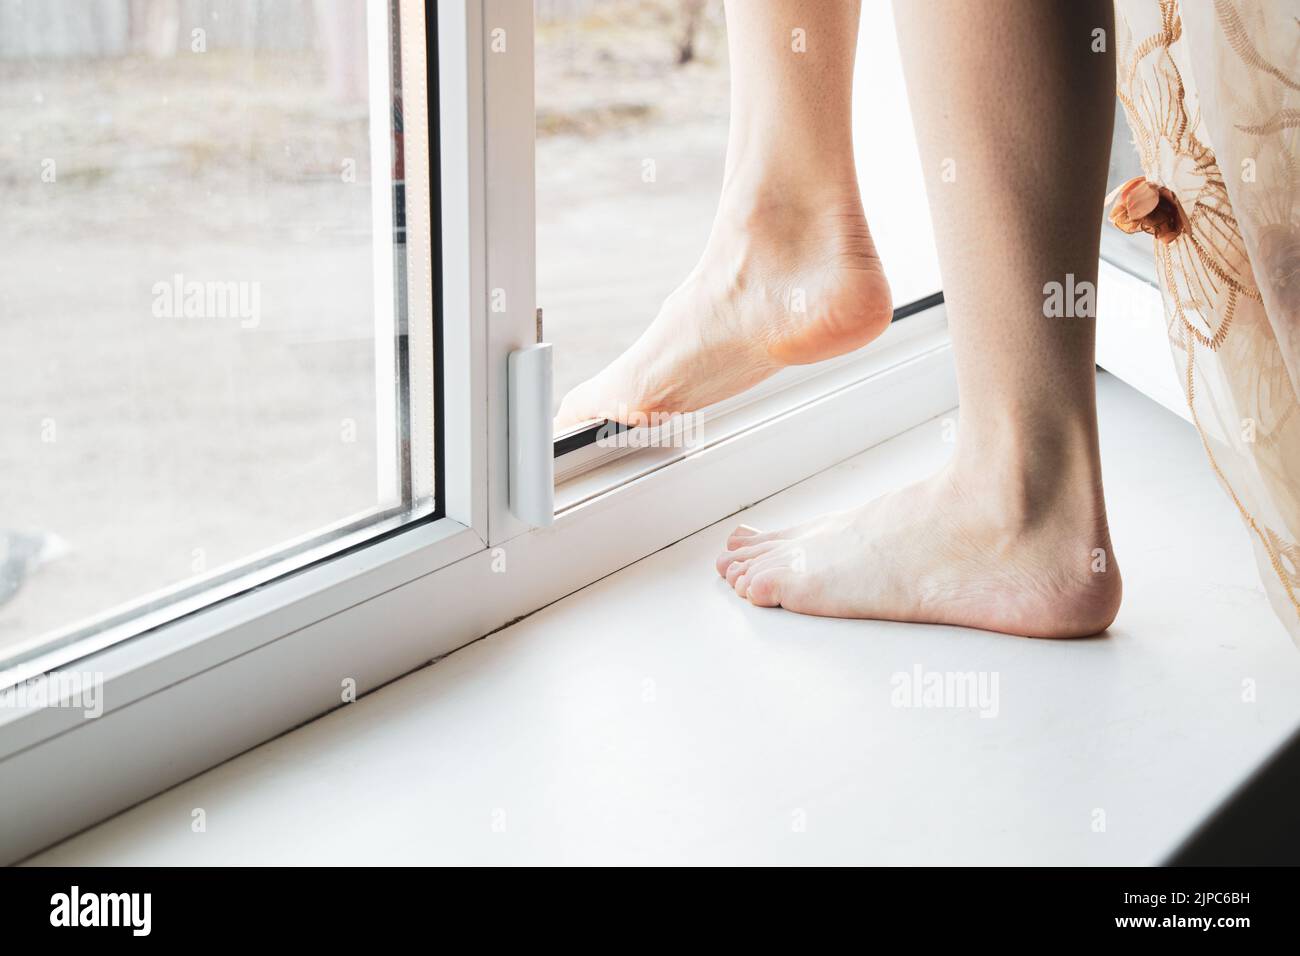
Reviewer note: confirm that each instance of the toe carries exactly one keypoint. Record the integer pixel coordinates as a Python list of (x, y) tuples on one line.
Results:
[(763, 588), (769, 577), (742, 573), (735, 570), (745, 536), (727, 558), (741, 585), (741, 536)]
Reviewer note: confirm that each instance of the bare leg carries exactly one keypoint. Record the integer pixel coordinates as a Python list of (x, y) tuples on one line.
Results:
[(790, 274), (1012, 535)]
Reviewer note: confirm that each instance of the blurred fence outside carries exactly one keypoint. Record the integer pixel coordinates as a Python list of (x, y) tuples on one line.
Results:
[(105, 28)]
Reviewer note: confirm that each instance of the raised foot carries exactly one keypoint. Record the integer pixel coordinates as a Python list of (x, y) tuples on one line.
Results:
[(928, 554), (784, 286)]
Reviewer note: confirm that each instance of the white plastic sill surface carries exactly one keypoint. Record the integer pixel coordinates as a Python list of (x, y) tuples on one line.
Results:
[(653, 717)]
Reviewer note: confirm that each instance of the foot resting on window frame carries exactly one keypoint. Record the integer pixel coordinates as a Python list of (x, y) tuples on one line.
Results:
[(782, 281)]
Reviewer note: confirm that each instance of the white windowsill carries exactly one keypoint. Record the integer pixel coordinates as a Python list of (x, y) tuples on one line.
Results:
[(654, 717), (295, 644)]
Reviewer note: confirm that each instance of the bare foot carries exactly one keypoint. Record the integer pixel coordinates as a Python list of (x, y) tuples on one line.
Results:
[(941, 552), (782, 282)]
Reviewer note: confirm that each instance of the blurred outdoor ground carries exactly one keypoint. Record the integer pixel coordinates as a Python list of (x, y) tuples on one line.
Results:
[(621, 85), (139, 451), (136, 450)]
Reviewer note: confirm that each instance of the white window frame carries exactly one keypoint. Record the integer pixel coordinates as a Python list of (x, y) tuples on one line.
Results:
[(1133, 337), (199, 690)]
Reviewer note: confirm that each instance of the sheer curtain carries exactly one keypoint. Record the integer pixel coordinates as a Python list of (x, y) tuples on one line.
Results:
[(1211, 89)]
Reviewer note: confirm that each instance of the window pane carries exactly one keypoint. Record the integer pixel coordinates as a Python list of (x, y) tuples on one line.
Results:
[(203, 347)]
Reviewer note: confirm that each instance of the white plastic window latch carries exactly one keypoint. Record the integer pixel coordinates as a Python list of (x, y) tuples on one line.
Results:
[(532, 451)]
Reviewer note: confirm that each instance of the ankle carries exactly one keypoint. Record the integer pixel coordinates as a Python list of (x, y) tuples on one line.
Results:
[(768, 199), (1025, 487), (792, 227)]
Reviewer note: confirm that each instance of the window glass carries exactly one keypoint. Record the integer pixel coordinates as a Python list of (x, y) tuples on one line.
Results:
[(204, 360)]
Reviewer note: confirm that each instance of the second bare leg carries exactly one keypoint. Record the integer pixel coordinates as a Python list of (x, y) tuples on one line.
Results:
[(1013, 112)]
